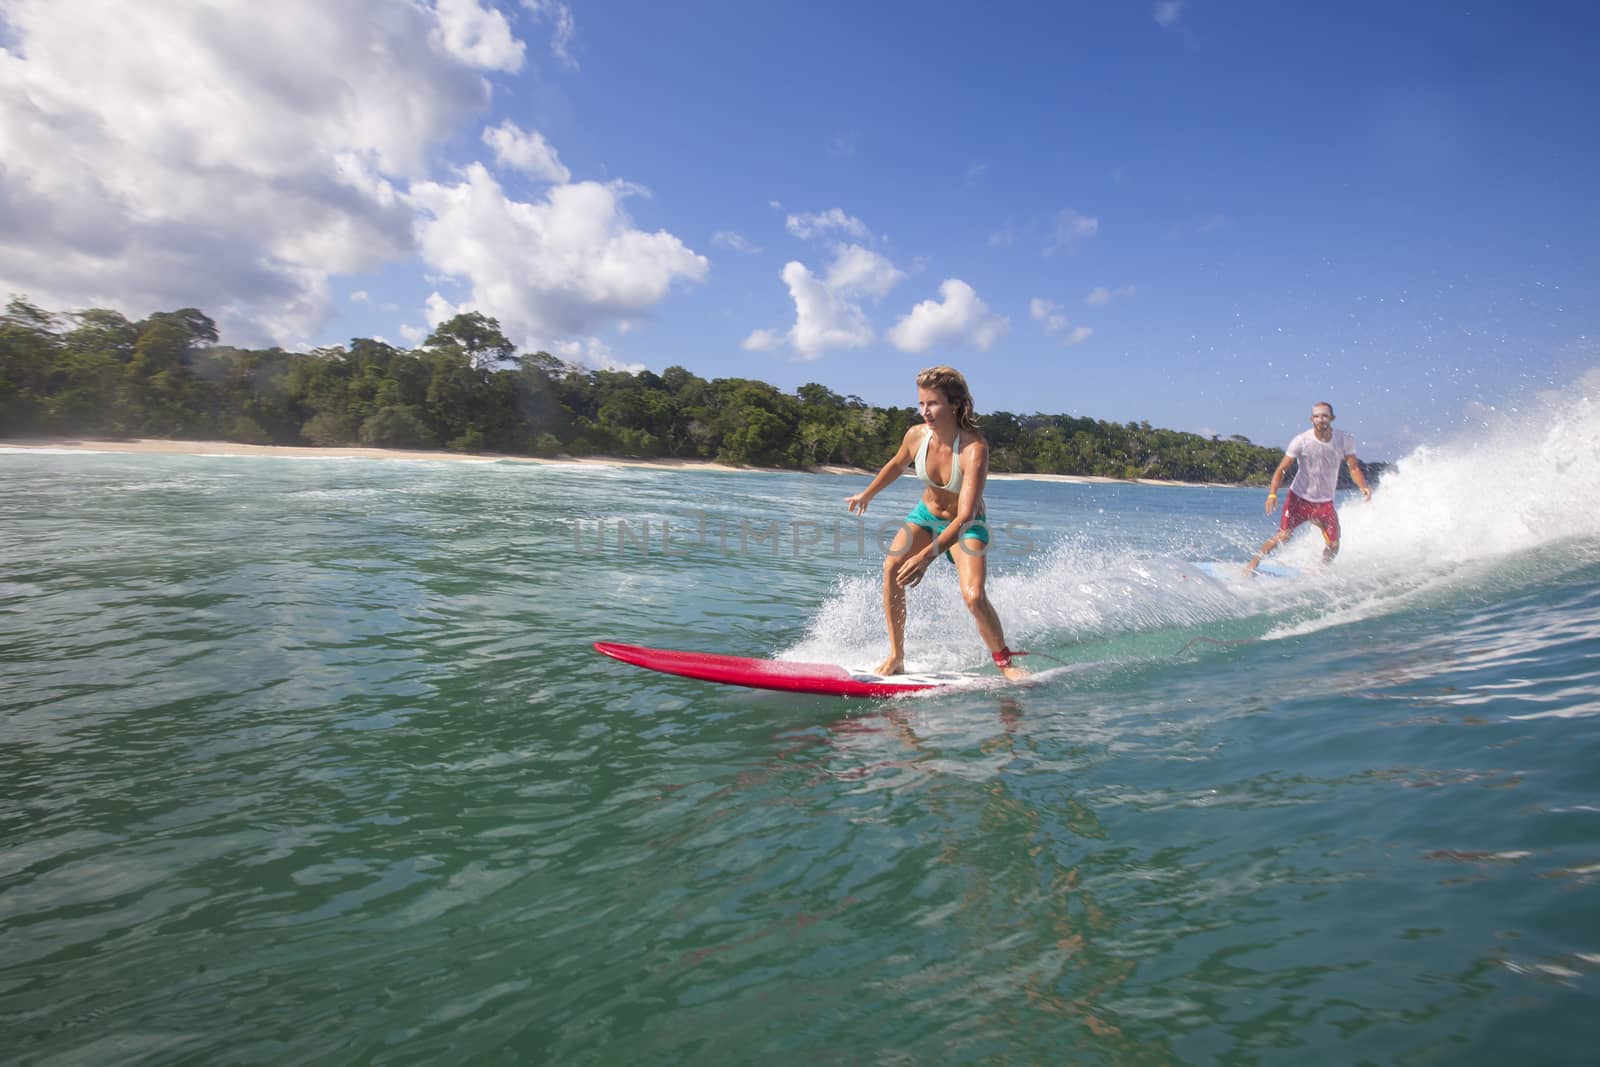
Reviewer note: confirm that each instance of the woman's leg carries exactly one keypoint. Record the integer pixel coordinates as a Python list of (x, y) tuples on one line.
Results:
[(972, 564), (910, 539)]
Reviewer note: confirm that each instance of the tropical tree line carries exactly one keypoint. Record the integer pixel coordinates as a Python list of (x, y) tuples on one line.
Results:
[(466, 388)]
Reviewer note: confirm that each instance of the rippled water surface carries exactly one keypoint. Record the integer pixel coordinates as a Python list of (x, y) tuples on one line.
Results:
[(308, 761)]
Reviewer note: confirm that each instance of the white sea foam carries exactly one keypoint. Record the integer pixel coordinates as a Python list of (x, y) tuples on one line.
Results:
[(1521, 482), (1519, 490), (1072, 592), (1510, 501)]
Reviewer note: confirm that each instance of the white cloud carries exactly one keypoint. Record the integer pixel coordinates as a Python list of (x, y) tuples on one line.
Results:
[(961, 316), (1099, 296), (525, 150), (360, 296), (223, 154), (824, 317), (1167, 12), (1047, 312), (1071, 228), (477, 36), (592, 352), (828, 312), (762, 341), (232, 156), (820, 223), (736, 242), (438, 309), (552, 269), (565, 30), (861, 271)]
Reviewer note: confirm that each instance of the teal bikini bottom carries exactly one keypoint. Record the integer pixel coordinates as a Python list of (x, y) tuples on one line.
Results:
[(977, 529)]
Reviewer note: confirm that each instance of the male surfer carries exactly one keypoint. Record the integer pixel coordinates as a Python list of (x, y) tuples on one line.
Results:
[(952, 461), (1318, 451)]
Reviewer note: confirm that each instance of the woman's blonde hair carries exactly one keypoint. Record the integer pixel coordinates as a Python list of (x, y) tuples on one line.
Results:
[(949, 381)]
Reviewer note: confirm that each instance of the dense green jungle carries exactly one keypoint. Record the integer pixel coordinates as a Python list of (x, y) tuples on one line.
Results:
[(468, 389)]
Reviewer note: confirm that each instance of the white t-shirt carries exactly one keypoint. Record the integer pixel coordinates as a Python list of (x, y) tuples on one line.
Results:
[(1319, 461)]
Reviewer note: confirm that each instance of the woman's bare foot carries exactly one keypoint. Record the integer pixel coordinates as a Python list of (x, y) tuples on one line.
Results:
[(1015, 673), (892, 665)]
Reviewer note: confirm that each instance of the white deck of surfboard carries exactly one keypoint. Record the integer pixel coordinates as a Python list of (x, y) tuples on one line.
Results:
[(919, 680), (1228, 571)]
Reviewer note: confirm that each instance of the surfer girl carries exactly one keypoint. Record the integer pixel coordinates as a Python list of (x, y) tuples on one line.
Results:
[(952, 460), (1319, 451)]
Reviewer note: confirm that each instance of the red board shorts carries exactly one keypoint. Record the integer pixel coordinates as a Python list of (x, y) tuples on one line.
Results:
[(1297, 511)]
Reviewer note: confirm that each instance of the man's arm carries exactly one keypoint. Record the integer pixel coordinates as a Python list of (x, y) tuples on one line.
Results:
[(1277, 480), (1356, 476)]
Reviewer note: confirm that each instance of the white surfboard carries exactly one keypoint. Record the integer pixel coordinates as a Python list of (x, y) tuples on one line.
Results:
[(1230, 571)]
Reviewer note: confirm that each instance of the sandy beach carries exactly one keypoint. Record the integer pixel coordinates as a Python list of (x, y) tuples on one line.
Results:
[(159, 447)]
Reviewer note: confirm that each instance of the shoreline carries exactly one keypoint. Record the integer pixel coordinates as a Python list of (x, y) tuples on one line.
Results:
[(150, 446)]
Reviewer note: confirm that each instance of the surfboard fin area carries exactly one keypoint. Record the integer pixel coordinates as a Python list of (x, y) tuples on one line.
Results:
[(826, 679)]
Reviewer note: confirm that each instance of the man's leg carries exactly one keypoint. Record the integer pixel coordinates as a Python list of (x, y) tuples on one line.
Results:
[(1328, 523), (1271, 545)]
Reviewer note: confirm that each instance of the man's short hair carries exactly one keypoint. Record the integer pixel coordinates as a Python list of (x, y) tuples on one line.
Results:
[(1322, 404)]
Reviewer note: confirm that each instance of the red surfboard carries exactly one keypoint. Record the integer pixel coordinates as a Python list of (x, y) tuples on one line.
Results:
[(827, 679)]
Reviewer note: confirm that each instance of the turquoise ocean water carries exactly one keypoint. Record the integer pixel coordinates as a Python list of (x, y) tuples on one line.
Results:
[(310, 762)]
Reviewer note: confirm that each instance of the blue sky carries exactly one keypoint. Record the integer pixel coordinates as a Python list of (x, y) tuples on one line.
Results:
[(1204, 215)]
